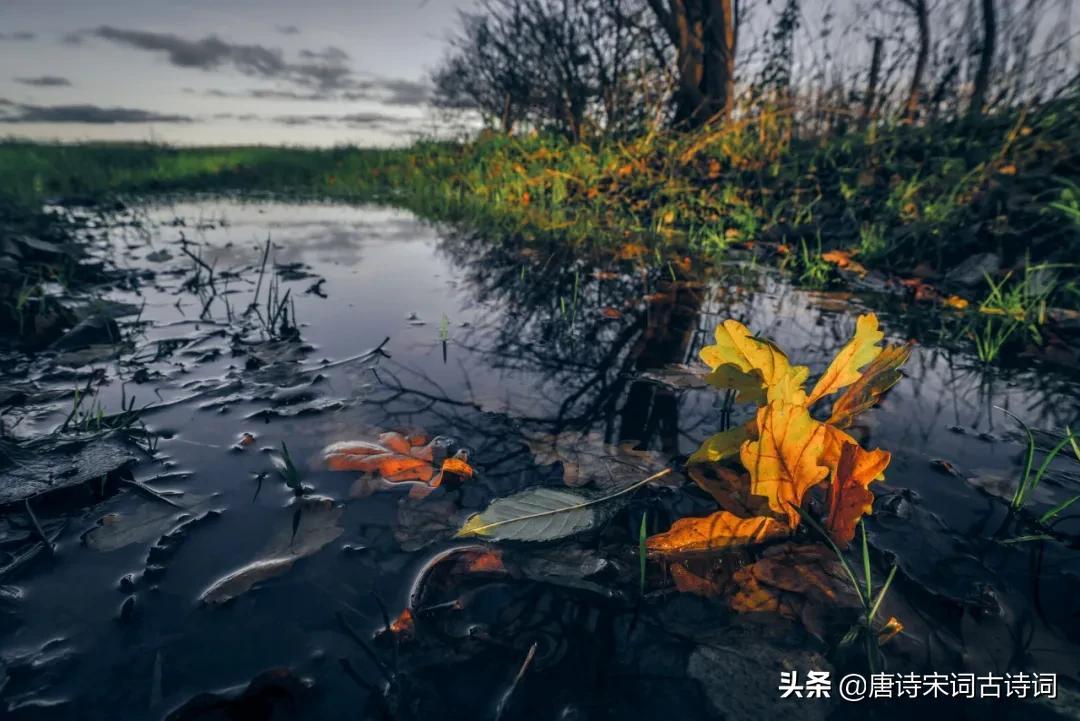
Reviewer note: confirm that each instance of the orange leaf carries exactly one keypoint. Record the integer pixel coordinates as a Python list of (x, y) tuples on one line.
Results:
[(955, 301), (610, 313), (891, 628), (714, 532), (786, 460), (839, 258), (458, 466), (395, 442), (849, 495), (484, 562), (404, 624), (686, 581), (878, 377)]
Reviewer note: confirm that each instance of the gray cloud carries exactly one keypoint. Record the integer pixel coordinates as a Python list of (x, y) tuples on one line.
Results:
[(45, 81), (389, 91), (322, 68), (11, 112), (355, 119), (287, 29), (17, 36)]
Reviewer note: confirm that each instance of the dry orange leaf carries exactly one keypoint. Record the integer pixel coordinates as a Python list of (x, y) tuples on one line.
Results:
[(955, 301), (849, 494), (404, 625), (714, 532), (630, 251), (484, 562), (890, 630), (458, 466), (686, 581), (799, 582), (839, 258), (786, 460), (610, 313)]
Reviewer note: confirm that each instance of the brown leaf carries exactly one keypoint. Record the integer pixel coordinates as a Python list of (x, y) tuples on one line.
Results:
[(798, 582), (730, 488), (687, 581)]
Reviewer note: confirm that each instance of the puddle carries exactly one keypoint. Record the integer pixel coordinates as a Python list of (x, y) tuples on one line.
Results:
[(524, 355)]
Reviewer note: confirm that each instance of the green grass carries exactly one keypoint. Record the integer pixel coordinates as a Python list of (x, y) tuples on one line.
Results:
[(901, 196)]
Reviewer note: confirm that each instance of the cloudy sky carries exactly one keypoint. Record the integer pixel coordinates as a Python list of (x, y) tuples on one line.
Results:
[(221, 71)]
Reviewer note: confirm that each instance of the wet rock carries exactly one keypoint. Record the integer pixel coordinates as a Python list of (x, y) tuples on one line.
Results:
[(95, 330), (972, 271), (741, 681)]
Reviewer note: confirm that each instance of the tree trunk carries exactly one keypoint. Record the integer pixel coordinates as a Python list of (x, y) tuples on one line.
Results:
[(922, 16), (870, 102), (986, 59), (703, 33)]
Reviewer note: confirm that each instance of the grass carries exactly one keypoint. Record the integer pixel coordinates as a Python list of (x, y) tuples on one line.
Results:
[(900, 196), (1029, 481), (869, 599)]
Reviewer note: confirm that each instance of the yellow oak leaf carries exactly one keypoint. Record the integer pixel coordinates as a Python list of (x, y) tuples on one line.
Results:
[(786, 459), (715, 532), (723, 445), (860, 350), (750, 365), (849, 494), (878, 377)]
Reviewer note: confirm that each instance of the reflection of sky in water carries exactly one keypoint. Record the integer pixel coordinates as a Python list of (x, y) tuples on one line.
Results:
[(522, 359)]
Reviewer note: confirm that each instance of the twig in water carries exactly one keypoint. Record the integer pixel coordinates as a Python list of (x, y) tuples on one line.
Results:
[(505, 700)]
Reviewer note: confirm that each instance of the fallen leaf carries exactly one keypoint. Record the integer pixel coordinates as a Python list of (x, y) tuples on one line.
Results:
[(610, 313), (786, 460), (545, 514), (457, 466), (878, 377), (687, 581), (312, 525), (404, 625), (587, 459), (890, 630), (730, 488), (849, 495), (752, 366), (149, 520), (805, 583), (395, 457), (629, 251), (845, 367), (955, 301), (715, 532), (843, 259), (725, 444)]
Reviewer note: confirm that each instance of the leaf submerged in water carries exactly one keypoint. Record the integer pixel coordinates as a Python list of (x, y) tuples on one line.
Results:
[(544, 514)]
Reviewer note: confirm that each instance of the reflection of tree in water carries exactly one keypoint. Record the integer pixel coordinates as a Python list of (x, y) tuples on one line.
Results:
[(540, 324), (543, 318)]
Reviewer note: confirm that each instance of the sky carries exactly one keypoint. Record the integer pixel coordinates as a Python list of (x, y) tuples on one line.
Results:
[(222, 72)]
